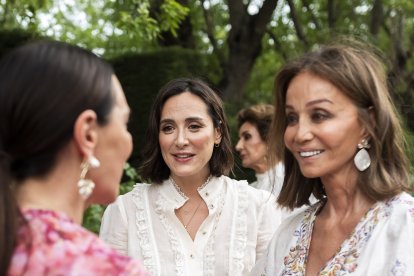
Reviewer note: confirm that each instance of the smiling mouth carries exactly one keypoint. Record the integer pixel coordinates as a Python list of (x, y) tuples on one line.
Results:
[(310, 153), (183, 155)]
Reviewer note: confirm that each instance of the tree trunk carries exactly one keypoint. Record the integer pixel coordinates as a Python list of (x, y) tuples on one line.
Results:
[(244, 46)]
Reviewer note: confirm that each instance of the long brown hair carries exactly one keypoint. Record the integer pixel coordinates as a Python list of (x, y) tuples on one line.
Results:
[(359, 73)]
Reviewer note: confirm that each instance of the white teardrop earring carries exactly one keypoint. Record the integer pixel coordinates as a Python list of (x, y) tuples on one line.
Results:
[(362, 160), (86, 186)]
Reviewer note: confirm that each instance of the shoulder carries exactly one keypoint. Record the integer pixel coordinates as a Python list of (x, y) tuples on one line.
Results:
[(401, 209)]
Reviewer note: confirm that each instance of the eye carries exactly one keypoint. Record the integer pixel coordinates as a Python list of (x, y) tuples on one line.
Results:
[(247, 136), (291, 119), (167, 129), (194, 127), (319, 116)]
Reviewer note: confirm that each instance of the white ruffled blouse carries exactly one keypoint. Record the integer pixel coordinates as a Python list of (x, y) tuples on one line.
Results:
[(236, 233)]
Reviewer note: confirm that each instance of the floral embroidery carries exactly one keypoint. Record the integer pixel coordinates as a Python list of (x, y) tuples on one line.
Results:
[(398, 269), (296, 259), (345, 261), (54, 245)]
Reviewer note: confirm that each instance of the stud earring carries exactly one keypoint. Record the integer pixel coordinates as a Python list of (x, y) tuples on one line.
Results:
[(86, 186), (362, 160), (217, 145)]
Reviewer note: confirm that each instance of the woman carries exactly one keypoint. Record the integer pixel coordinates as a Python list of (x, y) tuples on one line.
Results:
[(342, 141), (192, 219), (62, 110), (253, 124)]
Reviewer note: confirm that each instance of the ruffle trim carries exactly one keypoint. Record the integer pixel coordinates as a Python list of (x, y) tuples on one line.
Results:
[(209, 255), (160, 209), (143, 231), (239, 240)]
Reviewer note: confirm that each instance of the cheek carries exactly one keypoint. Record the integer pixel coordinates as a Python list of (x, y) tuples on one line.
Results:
[(288, 137)]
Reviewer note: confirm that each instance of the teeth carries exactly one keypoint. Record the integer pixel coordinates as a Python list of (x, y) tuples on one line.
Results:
[(309, 153), (183, 155)]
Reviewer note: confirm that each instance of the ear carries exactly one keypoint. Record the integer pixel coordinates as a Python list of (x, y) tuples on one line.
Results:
[(85, 133), (372, 122), (217, 135)]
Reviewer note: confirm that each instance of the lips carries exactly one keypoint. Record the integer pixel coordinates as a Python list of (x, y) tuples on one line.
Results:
[(183, 156)]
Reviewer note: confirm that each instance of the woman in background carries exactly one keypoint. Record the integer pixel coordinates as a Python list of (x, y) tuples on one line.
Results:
[(192, 219), (253, 124), (342, 141), (63, 144)]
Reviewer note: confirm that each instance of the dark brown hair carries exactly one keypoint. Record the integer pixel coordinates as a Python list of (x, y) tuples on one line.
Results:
[(221, 162), (44, 86), (260, 115), (357, 71)]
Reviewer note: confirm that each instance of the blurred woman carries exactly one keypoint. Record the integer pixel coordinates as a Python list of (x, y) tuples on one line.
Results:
[(192, 219), (63, 144), (342, 141), (254, 123)]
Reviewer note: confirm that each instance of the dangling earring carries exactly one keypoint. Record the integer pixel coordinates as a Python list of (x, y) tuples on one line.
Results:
[(362, 160), (86, 186)]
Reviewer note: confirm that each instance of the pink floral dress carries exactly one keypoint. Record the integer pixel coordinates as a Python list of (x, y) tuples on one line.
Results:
[(54, 245)]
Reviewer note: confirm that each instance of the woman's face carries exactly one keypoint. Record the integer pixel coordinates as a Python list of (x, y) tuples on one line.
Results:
[(251, 147), (187, 136), (323, 129), (113, 149)]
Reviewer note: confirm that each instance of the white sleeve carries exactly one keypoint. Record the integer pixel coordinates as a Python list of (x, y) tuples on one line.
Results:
[(114, 226), (269, 219)]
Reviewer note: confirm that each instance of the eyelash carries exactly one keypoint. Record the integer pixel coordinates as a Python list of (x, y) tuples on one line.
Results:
[(316, 116)]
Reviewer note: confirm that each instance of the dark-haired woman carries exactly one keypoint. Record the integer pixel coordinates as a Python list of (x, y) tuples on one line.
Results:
[(63, 144), (342, 141), (192, 219)]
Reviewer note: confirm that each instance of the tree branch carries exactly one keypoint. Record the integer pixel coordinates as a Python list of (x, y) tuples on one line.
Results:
[(296, 24)]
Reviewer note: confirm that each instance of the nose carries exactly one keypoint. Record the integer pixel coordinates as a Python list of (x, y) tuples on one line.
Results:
[(181, 139), (303, 132), (239, 145)]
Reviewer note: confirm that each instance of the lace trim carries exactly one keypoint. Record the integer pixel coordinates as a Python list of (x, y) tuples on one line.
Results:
[(239, 240), (175, 245), (143, 232), (181, 192), (209, 254)]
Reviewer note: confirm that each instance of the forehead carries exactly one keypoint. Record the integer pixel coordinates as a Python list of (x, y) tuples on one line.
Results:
[(247, 126), (184, 105), (308, 89)]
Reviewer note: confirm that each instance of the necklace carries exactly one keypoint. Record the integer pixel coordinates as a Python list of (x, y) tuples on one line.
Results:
[(186, 198)]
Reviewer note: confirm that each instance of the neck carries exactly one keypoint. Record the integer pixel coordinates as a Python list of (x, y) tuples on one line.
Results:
[(58, 191), (344, 197)]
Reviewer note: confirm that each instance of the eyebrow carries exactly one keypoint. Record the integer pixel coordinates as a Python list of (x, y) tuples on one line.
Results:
[(189, 119), (318, 101)]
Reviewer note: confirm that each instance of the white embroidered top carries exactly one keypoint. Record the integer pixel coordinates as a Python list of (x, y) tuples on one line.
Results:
[(237, 231), (382, 243), (271, 180)]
